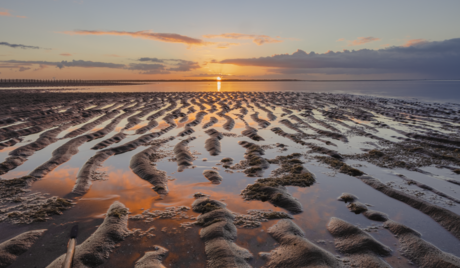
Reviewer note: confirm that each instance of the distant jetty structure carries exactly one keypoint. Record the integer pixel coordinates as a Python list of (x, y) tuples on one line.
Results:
[(74, 82)]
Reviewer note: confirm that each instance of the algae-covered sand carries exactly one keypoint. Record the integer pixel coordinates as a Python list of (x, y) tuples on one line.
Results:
[(228, 179)]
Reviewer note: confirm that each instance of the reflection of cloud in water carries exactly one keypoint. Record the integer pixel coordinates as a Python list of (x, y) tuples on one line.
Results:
[(317, 209), (8, 149), (138, 126), (14, 174), (109, 197), (58, 182), (136, 193)]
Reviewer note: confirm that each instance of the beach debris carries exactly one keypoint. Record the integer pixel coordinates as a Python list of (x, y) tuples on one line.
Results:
[(95, 250)]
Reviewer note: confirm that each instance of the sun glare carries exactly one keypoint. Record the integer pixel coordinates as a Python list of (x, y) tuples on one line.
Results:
[(218, 78)]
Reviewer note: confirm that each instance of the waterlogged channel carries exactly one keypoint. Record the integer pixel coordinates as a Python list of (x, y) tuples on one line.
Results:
[(129, 169)]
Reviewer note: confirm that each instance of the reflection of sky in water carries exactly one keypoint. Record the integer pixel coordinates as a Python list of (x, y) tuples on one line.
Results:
[(425, 90), (319, 201)]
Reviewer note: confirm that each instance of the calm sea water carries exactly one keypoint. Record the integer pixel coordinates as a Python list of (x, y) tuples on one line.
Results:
[(427, 90)]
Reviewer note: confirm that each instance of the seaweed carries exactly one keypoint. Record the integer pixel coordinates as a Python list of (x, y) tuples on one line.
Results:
[(375, 153), (207, 207), (341, 166), (118, 212)]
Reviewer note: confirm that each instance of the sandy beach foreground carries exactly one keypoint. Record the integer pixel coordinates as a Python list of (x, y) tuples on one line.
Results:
[(228, 179)]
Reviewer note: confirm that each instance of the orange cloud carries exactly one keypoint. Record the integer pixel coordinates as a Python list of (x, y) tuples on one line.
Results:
[(226, 45), (6, 12), (258, 39), (162, 37), (414, 42), (359, 41), (65, 54), (363, 40)]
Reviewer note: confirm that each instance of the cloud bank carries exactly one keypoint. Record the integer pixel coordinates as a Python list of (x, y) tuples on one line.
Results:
[(74, 63), (258, 39), (428, 59), (18, 46), (167, 65), (162, 66)]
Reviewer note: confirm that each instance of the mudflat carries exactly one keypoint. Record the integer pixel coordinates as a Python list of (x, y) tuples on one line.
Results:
[(228, 179)]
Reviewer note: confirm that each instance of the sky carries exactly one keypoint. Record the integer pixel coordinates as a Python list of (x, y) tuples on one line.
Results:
[(252, 39)]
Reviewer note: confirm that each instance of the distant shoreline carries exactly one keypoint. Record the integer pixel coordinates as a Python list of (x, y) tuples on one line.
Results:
[(13, 83)]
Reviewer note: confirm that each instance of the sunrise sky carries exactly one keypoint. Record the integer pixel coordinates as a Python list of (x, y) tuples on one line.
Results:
[(148, 39)]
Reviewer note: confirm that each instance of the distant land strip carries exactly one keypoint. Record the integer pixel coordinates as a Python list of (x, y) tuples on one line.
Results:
[(5, 83)]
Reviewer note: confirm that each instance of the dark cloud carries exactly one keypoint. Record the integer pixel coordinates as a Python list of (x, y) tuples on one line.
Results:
[(429, 59), (41, 67), (22, 69), (18, 46), (164, 66), (204, 75), (175, 65), (184, 66), (74, 63), (89, 64), (147, 68), (150, 59)]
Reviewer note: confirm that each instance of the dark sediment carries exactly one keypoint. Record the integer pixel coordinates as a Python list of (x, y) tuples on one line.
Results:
[(152, 259), (295, 250), (59, 156), (362, 249), (273, 189), (446, 218), (92, 125), (219, 234), (262, 123), (114, 139), (211, 122), (213, 176), (212, 144), (184, 157), (251, 133), (149, 126), (11, 249), (141, 165), (84, 176), (419, 251)]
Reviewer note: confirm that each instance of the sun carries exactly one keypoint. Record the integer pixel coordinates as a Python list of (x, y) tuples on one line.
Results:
[(218, 78)]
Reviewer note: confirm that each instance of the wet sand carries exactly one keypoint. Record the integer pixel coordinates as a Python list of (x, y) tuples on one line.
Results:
[(189, 179)]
